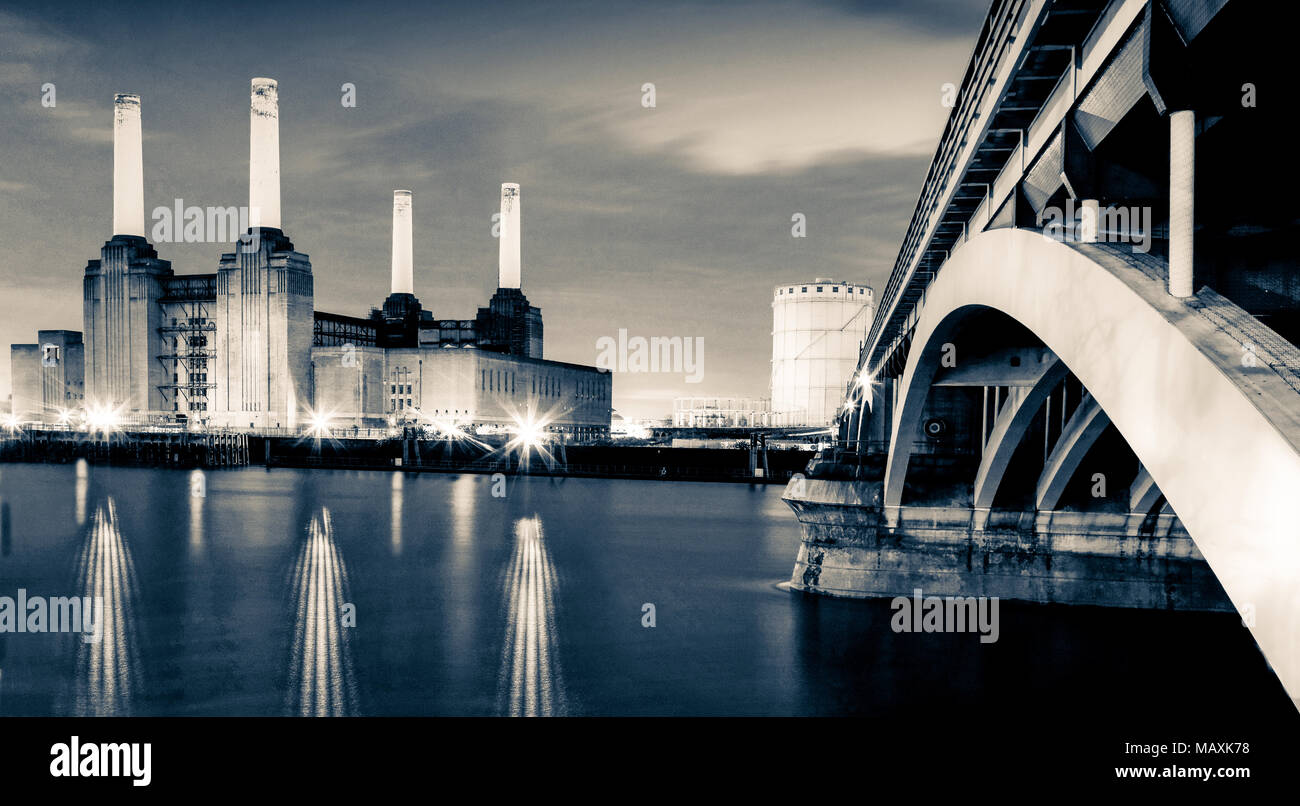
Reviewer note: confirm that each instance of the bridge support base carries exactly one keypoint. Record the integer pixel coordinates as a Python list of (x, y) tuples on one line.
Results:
[(1057, 557)]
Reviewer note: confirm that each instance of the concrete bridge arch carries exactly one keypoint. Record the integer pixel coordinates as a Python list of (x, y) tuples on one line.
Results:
[(1219, 436)]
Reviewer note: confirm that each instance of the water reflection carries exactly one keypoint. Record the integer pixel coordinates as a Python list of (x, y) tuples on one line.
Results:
[(198, 495), (530, 682), (321, 679), (80, 487), (108, 670), (395, 515)]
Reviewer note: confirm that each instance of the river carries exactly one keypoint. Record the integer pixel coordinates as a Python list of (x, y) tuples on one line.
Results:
[(266, 592)]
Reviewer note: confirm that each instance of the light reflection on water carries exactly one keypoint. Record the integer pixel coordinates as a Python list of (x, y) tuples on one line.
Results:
[(196, 511), (82, 485), (395, 515), (529, 603), (107, 681), (531, 682), (321, 679)]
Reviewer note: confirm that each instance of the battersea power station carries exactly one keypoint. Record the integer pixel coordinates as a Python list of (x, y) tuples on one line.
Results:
[(244, 347)]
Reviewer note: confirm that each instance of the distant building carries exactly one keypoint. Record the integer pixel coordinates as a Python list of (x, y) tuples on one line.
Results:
[(244, 347), (48, 377), (721, 412), (818, 329)]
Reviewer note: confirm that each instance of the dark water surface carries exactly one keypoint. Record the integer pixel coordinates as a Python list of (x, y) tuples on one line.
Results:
[(234, 603)]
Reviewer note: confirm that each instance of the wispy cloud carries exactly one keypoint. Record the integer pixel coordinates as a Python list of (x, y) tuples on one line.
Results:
[(666, 221)]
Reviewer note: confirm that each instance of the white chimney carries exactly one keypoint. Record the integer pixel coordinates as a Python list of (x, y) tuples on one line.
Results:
[(128, 167), (264, 155), (508, 261), (402, 250)]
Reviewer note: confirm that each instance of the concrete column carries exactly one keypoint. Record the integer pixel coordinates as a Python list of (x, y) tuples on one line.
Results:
[(851, 418), (1089, 218), (862, 415), (403, 282), (264, 155), (508, 266), (128, 167), (1182, 185)]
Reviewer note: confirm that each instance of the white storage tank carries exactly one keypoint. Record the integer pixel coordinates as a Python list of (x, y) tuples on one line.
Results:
[(817, 331)]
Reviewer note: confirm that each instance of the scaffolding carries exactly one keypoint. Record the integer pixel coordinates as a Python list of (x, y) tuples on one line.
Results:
[(187, 338)]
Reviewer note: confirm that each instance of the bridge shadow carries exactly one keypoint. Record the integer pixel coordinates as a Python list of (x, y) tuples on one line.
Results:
[(1052, 665)]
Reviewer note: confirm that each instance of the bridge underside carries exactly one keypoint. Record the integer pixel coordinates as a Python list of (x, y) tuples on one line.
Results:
[(1056, 408)]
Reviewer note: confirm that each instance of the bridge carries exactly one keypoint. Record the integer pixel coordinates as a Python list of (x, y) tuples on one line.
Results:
[(1082, 384)]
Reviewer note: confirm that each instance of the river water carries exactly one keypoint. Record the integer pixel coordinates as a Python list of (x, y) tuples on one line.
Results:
[(265, 592)]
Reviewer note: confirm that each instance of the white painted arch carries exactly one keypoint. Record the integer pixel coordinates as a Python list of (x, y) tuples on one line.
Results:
[(1220, 440)]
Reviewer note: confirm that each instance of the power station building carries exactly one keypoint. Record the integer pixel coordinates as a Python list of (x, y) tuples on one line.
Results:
[(244, 347), (817, 331), (401, 363)]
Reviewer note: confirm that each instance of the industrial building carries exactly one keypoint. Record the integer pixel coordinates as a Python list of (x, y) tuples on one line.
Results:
[(402, 364), (244, 347), (47, 376), (818, 328)]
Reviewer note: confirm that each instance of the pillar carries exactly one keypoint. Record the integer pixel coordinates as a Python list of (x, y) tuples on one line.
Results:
[(1182, 191)]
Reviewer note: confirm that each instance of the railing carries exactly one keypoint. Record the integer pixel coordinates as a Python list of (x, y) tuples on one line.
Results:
[(1009, 177), (1004, 20), (1044, 125), (1107, 32)]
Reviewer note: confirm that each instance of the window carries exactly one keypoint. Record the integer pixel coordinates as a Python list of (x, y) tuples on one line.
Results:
[(819, 289), (835, 289), (804, 289)]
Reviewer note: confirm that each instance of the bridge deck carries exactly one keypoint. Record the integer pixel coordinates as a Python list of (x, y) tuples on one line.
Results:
[(1222, 329)]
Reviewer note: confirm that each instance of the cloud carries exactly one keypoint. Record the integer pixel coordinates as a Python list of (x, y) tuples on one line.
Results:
[(666, 221)]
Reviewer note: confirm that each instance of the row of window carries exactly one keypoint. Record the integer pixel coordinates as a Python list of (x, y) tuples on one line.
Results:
[(499, 380), (834, 289)]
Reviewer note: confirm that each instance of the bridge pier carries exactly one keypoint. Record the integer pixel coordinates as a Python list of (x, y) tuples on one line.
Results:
[(854, 547)]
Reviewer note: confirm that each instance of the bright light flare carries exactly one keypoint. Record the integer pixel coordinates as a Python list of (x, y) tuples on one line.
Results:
[(527, 433), (865, 382), (102, 419), (318, 423)]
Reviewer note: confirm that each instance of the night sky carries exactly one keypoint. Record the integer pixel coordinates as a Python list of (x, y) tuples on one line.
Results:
[(671, 221)]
